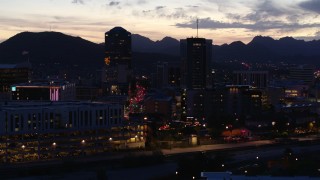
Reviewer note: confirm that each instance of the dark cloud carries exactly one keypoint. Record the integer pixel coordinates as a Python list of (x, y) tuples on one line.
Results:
[(311, 5), (264, 10), (77, 1), (233, 16), (146, 11), (114, 3), (208, 23), (160, 7)]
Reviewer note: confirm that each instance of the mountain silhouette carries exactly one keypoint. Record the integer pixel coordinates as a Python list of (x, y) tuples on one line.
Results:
[(267, 49), (45, 47), (51, 47), (167, 45)]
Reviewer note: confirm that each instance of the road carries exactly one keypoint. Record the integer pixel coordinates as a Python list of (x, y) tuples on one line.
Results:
[(242, 154), (216, 147)]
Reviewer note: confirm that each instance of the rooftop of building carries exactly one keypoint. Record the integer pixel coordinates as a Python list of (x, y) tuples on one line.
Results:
[(14, 105), (43, 83), (117, 29), (14, 66)]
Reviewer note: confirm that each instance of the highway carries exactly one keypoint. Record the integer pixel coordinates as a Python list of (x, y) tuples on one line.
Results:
[(244, 151), (214, 147), (227, 146)]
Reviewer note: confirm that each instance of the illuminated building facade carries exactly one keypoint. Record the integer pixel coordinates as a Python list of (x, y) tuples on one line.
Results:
[(44, 91), (45, 130), (118, 60)]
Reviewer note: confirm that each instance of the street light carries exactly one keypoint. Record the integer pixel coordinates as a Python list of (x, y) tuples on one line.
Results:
[(82, 146), (54, 144), (23, 147)]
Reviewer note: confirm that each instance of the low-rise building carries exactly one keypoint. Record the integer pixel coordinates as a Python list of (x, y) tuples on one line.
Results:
[(43, 130), (44, 91)]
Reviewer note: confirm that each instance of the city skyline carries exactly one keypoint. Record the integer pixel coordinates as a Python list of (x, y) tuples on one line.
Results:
[(223, 21)]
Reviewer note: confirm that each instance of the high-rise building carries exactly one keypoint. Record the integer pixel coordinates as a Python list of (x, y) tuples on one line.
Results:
[(174, 76), (166, 75), (118, 60), (196, 56), (162, 75)]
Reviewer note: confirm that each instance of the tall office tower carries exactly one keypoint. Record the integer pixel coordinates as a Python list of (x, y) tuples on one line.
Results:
[(118, 60), (174, 76), (162, 75), (196, 56)]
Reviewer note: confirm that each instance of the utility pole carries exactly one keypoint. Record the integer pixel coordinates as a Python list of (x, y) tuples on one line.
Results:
[(197, 27)]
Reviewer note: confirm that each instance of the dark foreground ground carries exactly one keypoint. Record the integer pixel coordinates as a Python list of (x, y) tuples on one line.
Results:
[(297, 159)]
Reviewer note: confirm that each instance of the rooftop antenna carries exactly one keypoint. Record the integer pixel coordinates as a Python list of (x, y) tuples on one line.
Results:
[(197, 26)]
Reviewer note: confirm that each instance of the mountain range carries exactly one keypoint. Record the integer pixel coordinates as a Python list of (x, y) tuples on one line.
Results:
[(44, 47)]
